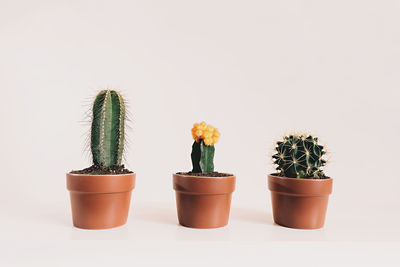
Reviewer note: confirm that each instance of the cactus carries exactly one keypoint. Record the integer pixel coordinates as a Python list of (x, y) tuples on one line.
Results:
[(108, 129), (203, 149), (299, 156)]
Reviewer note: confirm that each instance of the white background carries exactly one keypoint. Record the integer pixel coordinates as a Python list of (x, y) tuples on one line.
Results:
[(253, 69)]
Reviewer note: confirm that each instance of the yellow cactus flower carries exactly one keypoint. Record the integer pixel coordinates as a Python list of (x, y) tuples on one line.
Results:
[(207, 135), (202, 125), (205, 132)]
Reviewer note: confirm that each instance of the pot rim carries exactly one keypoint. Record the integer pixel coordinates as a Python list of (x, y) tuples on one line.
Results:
[(100, 183), (204, 177), (94, 175), (300, 179), (203, 185), (300, 186)]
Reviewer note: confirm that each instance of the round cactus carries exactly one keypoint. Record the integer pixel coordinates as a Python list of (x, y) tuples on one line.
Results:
[(299, 156)]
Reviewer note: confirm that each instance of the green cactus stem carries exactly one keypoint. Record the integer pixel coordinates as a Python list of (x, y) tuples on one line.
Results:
[(108, 129), (196, 156), (202, 157), (299, 156)]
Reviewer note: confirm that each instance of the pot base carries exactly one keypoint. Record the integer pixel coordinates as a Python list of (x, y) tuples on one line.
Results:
[(299, 212), (203, 211), (301, 228), (100, 211), (196, 227)]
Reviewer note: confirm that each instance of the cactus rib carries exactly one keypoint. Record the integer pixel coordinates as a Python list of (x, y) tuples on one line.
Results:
[(121, 128), (207, 158), (103, 119)]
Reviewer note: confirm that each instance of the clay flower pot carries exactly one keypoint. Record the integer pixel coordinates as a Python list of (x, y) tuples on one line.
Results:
[(203, 202), (100, 201), (299, 203)]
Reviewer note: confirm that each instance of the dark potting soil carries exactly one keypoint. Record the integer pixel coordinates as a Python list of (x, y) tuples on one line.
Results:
[(312, 177), (206, 174), (97, 170)]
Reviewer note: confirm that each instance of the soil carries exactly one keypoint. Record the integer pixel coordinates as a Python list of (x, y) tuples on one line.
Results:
[(312, 177), (98, 170), (206, 174)]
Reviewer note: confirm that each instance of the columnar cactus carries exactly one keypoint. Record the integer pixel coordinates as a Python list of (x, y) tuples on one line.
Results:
[(203, 149), (108, 129), (299, 156)]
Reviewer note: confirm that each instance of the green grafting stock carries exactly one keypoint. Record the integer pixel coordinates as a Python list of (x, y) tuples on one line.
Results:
[(207, 158), (196, 156), (202, 157)]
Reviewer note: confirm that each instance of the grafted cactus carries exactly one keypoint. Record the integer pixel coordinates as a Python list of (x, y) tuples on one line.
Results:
[(299, 156), (203, 149), (108, 129)]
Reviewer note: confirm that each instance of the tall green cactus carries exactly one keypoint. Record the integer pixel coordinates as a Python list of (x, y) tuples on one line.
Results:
[(299, 156), (108, 129)]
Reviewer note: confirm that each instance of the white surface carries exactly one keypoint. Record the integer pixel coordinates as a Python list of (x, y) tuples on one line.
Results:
[(45, 237), (254, 69), (158, 222)]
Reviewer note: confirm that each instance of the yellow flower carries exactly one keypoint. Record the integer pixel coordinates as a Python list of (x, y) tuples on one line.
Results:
[(202, 125), (207, 133)]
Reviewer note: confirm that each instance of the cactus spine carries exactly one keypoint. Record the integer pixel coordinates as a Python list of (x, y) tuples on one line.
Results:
[(108, 129), (299, 156)]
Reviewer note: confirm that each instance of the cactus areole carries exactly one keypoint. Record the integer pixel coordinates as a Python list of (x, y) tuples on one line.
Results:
[(299, 156)]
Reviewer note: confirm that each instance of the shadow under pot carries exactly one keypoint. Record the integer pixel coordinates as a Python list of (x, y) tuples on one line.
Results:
[(299, 203), (203, 202), (100, 201)]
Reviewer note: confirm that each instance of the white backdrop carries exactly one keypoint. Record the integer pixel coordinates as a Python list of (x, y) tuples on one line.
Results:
[(253, 69)]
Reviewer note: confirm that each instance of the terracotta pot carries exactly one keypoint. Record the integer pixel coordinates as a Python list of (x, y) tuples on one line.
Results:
[(203, 202), (100, 201), (299, 203)]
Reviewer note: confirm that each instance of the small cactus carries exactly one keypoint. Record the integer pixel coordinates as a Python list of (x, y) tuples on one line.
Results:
[(299, 156), (108, 129), (203, 149)]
